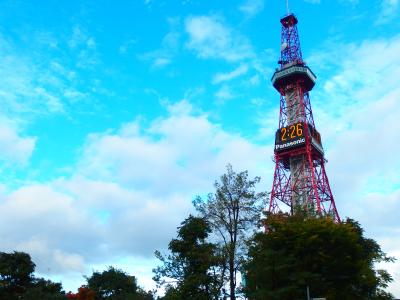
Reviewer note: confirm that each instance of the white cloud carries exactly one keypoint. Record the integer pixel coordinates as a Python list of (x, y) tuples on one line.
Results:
[(161, 61), (50, 261), (376, 211), (35, 85), (85, 46), (77, 38), (209, 37), (221, 77), (162, 167), (392, 246), (125, 46), (365, 90), (131, 190), (258, 102), (252, 7), (254, 80), (267, 122), (25, 89), (170, 45), (48, 225), (389, 10), (184, 141), (349, 2), (224, 93), (14, 149), (80, 38)]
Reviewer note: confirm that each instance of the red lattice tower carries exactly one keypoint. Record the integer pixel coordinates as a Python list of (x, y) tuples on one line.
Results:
[(300, 180)]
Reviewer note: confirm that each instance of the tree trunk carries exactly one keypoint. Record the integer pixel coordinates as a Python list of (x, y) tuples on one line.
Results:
[(232, 278)]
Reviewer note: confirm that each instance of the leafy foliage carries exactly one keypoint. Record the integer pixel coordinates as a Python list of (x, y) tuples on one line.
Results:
[(234, 212), (335, 260), (41, 289), (115, 284), (84, 293), (188, 272), (17, 280), (16, 271)]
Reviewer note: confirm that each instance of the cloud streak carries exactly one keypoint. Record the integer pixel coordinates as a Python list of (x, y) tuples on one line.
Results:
[(222, 77), (14, 148), (389, 10), (210, 38), (252, 7)]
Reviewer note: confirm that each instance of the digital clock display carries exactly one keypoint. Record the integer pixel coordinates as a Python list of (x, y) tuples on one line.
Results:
[(289, 137)]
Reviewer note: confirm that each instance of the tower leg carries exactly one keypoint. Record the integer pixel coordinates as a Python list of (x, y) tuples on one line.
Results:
[(302, 184)]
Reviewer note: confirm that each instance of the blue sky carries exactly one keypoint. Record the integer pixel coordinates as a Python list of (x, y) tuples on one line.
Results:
[(114, 115)]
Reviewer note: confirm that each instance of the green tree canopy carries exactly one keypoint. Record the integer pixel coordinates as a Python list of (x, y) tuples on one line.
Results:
[(114, 284), (188, 272), (335, 260), (42, 289), (16, 274), (18, 282)]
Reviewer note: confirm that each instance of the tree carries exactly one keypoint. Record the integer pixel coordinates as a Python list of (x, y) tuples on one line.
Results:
[(42, 289), (234, 212), (143, 295), (17, 280), (191, 264), (335, 260), (16, 274), (115, 284), (84, 293)]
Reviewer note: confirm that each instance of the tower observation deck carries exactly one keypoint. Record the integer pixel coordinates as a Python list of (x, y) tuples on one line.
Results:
[(300, 181)]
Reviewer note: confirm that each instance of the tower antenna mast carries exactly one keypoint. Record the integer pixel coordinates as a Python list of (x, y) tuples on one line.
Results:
[(300, 181)]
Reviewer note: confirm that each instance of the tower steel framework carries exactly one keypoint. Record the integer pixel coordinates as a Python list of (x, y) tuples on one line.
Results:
[(300, 180)]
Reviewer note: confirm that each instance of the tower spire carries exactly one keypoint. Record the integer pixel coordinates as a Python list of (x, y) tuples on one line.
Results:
[(290, 42), (300, 181)]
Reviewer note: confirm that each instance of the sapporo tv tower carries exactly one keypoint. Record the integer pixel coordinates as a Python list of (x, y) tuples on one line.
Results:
[(300, 180)]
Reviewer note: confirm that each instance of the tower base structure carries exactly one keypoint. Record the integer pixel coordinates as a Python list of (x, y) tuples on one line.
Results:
[(301, 184)]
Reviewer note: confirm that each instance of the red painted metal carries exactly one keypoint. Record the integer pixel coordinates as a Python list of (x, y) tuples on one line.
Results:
[(300, 179)]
